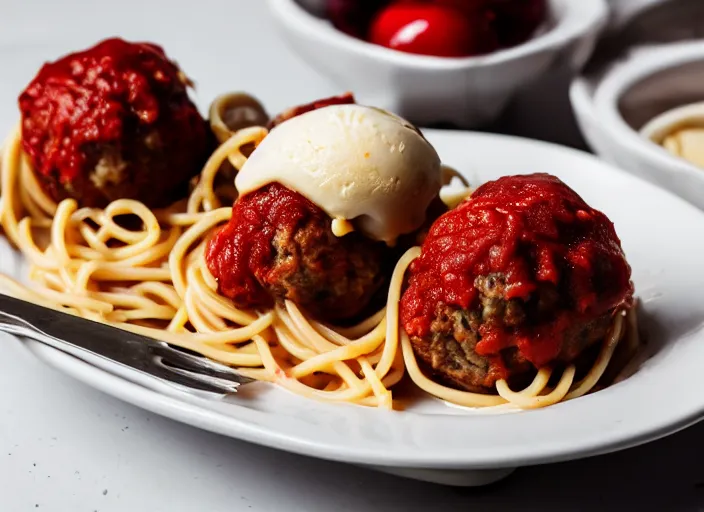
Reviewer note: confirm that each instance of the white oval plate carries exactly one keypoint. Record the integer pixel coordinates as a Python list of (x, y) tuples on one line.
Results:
[(665, 395)]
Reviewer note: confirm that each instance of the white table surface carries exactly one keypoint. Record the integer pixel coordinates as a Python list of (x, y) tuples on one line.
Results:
[(65, 447)]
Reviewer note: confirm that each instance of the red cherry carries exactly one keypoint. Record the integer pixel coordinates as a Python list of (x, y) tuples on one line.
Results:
[(353, 16), (511, 21), (430, 29)]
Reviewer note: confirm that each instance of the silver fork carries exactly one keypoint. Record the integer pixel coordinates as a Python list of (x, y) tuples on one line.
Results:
[(78, 337)]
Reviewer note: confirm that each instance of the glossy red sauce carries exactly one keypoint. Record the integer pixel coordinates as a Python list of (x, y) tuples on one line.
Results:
[(534, 229), (240, 255), (98, 96)]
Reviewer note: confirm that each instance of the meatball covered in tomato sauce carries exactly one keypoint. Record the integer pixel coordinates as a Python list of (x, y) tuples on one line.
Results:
[(522, 275), (324, 199), (114, 121), (279, 246)]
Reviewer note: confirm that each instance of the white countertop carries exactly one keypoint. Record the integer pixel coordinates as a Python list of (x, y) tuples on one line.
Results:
[(67, 448)]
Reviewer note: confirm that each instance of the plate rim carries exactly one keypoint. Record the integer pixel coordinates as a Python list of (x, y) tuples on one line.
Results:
[(191, 414)]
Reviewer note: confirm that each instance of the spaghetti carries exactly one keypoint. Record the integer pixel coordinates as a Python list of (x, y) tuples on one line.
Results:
[(154, 281)]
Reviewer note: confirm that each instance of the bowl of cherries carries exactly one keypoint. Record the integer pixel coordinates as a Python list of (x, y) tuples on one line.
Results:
[(440, 61)]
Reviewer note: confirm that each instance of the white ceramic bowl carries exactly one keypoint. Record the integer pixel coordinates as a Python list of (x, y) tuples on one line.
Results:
[(467, 92), (613, 109)]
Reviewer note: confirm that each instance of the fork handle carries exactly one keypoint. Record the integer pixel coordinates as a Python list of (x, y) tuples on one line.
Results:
[(88, 340)]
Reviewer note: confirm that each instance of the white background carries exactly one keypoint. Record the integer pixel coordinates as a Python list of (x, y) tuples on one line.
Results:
[(65, 447)]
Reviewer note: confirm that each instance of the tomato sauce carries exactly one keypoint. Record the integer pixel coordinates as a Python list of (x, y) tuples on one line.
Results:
[(105, 94), (240, 255), (533, 229)]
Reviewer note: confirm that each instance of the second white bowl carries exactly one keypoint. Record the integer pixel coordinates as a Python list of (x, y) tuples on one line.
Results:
[(613, 109)]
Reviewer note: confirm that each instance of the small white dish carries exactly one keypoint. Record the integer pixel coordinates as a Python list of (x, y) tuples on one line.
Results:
[(612, 110), (653, 63), (467, 92), (460, 446)]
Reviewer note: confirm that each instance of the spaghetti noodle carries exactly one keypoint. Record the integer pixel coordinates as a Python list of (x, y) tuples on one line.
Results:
[(154, 281)]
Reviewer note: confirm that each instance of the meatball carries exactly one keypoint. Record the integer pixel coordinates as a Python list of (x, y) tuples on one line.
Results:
[(456, 332), (114, 121), (522, 275), (279, 246)]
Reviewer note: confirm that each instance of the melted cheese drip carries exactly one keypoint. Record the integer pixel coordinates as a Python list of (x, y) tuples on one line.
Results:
[(341, 227)]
